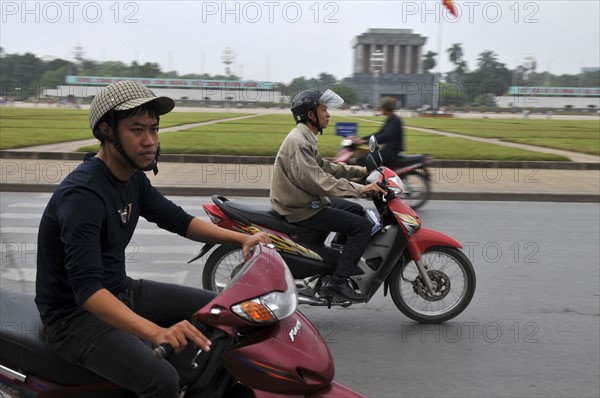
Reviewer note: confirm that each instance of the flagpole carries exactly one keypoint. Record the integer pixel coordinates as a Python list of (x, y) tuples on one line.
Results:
[(436, 82)]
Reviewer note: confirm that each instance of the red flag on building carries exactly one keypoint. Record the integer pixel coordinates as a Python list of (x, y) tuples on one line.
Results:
[(449, 4)]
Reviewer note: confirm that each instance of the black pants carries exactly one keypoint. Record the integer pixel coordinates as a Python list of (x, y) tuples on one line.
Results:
[(346, 218), (120, 357)]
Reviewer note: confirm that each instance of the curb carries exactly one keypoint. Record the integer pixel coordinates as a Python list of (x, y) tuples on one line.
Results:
[(264, 192), (232, 159)]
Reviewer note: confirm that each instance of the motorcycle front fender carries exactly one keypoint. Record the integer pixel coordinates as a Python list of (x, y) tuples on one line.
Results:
[(425, 238), (205, 249), (335, 389)]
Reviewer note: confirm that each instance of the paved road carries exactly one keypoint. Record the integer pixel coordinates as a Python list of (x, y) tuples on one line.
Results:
[(531, 330)]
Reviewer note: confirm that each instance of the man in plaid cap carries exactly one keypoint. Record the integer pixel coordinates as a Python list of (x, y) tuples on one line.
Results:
[(94, 314)]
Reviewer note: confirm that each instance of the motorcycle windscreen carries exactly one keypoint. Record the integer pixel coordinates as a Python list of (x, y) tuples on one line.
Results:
[(331, 100)]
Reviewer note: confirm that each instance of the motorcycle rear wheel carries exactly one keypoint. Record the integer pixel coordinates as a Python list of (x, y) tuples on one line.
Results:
[(221, 266), (454, 276), (417, 189)]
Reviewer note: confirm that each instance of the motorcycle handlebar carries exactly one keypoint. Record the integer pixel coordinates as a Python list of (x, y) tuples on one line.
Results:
[(389, 193), (163, 351)]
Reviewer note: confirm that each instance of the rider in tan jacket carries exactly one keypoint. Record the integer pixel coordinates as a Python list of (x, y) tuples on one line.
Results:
[(303, 183), (303, 180)]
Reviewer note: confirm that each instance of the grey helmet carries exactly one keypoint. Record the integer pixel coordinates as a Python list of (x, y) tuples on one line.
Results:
[(308, 100)]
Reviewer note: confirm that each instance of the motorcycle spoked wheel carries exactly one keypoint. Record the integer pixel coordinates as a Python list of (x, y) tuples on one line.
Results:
[(417, 189), (453, 277), (221, 266)]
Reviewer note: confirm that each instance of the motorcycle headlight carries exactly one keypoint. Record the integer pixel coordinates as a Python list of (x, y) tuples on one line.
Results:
[(373, 176), (396, 180), (271, 307)]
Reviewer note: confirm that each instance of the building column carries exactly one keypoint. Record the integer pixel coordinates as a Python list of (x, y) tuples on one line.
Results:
[(408, 63), (358, 57), (396, 63), (420, 60), (386, 55)]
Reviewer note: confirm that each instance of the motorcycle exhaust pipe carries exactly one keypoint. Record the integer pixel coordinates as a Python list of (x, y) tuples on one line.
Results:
[(319, 302), (12, 374), (310, 301)]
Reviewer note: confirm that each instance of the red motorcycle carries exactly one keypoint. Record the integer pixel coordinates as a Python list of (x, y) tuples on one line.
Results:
[(412, 170), (429, 277), (262, 346)]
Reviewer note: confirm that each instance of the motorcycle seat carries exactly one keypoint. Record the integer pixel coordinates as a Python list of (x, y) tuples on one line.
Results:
[(23, 346), (408, 160), (262, 215)]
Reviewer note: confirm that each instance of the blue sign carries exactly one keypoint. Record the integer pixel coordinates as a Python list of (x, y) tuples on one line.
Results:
[(346, 129)]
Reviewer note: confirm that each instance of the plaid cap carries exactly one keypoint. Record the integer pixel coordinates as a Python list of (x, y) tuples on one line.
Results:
[(124, 95)]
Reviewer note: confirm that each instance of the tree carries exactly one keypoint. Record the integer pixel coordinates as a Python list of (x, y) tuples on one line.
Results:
[(455, 53), (488, 60), (325, 80), (429, 61), (55, 77), (149, 69), (491, 79), (349, 96)]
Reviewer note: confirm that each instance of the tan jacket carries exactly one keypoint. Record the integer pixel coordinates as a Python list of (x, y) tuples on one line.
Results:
[(303, 180)]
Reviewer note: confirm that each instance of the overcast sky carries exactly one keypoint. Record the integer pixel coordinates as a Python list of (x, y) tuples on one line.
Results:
[(281, 40)]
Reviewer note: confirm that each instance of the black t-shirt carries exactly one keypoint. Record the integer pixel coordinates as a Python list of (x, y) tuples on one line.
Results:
[(85, 230), (391, 135)]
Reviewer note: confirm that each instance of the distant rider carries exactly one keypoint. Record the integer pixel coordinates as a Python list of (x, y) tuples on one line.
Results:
[(390, 136)]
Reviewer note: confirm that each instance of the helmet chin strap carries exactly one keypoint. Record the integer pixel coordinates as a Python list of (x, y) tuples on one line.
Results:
[(317, 124)]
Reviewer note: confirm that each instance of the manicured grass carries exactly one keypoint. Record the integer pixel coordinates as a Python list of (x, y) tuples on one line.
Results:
[(571, 135), (22, 127), (262, 135)]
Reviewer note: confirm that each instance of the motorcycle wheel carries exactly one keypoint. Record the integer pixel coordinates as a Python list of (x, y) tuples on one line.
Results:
[(221, 266), (453, 277), (417, 189)]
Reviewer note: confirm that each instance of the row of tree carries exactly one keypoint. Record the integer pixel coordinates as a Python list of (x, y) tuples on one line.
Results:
[(25, 74), (492, 78)]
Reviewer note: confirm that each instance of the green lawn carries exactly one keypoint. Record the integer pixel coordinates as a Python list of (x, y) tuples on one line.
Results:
[(571, 135), (22, 127), (262, 135)]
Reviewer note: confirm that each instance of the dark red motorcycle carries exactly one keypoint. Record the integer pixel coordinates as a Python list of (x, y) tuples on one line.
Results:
[(262, 345)]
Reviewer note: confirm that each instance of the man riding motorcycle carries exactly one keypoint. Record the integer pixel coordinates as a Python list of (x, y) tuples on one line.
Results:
[(303, 182), (391, 135)]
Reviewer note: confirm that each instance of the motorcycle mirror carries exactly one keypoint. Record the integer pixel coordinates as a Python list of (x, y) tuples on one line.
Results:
[(373, 144), (370, 163), (374, 148)]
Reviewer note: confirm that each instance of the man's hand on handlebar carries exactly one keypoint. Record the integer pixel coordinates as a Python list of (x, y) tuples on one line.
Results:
[(373, 188), (178, 336), (358, 140)]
